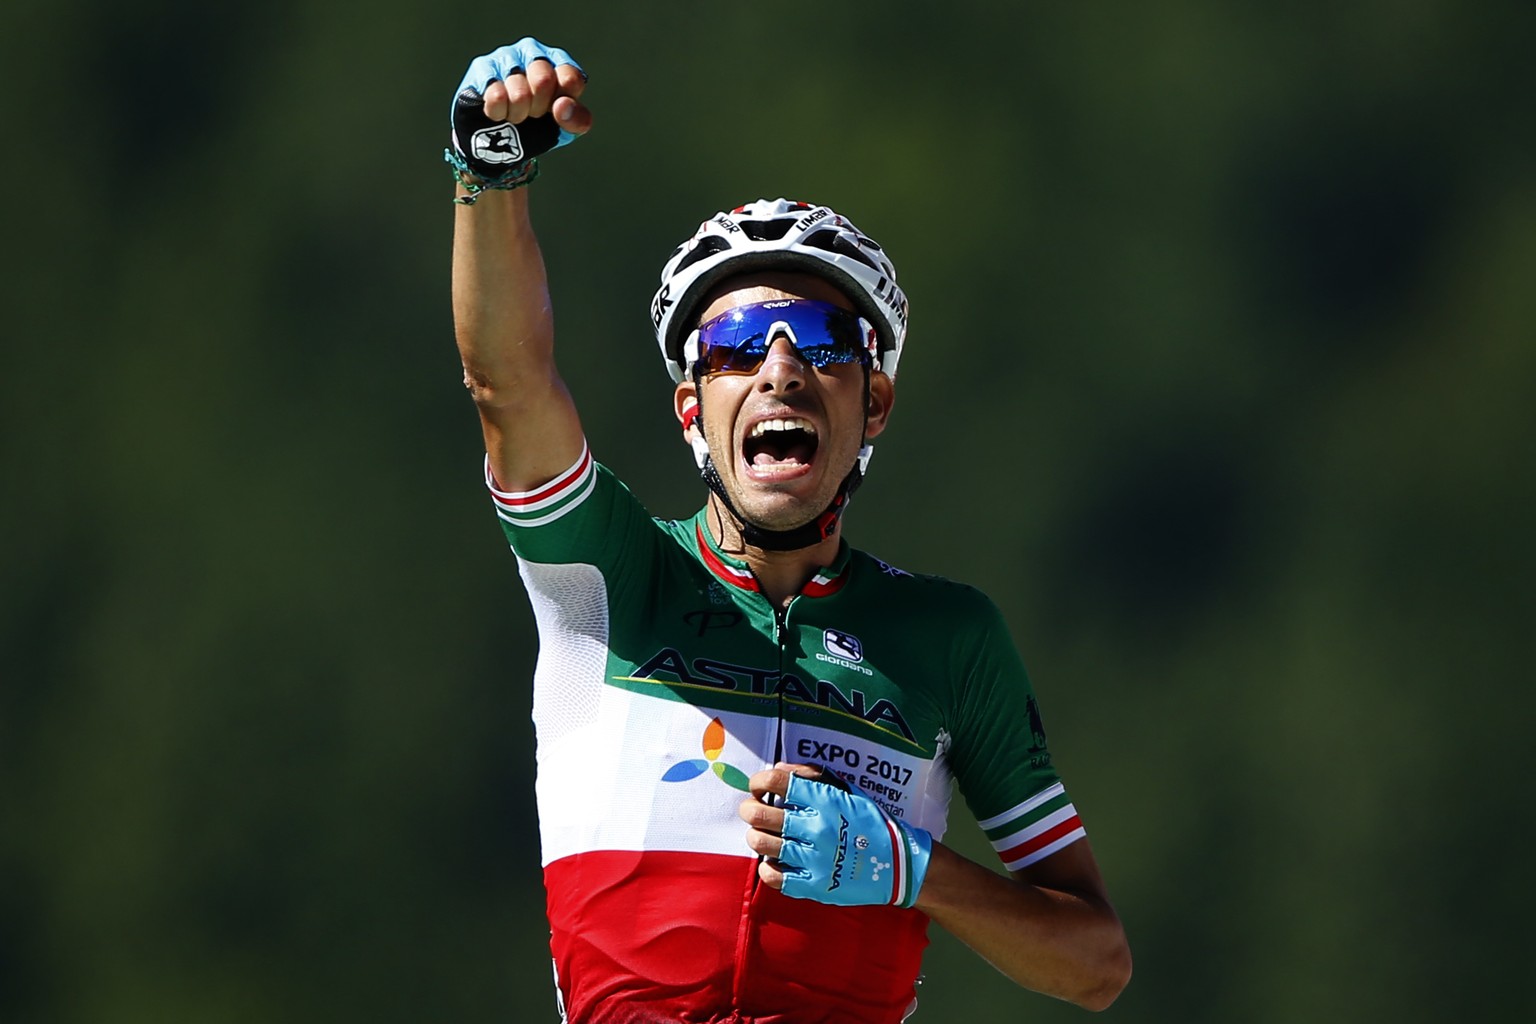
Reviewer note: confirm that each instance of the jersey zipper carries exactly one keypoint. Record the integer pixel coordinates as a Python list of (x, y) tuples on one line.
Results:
[(744, 935), (781, 637)]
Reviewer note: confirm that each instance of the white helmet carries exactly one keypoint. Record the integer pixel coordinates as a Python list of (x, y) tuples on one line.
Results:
[(779, 235)]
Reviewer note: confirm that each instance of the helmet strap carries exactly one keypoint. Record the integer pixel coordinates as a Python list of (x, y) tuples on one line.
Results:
[(807, 535)]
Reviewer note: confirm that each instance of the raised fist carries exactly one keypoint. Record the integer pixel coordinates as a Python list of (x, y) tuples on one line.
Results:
[(515, 103)]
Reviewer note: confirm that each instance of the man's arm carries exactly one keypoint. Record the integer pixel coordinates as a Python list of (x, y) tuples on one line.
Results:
[(501, 308), (1049, 927)]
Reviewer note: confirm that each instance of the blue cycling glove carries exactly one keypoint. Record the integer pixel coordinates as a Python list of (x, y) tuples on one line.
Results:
[(499, 154), (841, 848)]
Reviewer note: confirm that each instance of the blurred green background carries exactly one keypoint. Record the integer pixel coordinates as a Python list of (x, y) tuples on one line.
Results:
[(1222, 325)]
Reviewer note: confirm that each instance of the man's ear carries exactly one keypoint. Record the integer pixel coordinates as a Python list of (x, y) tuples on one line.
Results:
[(882, 397), (685, 405)]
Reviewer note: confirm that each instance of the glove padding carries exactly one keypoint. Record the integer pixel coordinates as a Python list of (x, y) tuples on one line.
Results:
[(840, 848), (495, 150)]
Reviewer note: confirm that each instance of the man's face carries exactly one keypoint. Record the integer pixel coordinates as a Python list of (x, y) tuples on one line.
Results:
[(782, 478)]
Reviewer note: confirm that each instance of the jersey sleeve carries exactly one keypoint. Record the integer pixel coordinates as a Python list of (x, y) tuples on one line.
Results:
[(584, 515), (999, 751)]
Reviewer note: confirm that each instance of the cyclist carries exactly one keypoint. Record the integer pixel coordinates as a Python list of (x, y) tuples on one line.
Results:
[(747, 729)]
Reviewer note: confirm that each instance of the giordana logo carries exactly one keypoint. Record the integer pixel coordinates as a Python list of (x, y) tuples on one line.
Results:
[(842, 645), (714, 744), (498, 144)]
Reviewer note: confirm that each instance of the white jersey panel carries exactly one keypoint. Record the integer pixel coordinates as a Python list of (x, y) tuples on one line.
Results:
[(680, 771), (570, 603)]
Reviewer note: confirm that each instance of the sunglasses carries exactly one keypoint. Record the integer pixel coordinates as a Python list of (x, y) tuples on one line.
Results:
[(737, 341)]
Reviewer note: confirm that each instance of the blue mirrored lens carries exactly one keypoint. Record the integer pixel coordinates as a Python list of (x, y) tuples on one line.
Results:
[(737, 341)]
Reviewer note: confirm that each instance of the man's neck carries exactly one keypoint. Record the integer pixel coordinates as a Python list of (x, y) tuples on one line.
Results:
[(782, 574)]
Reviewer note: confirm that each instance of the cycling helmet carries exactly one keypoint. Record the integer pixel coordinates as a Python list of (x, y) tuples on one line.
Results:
[(779, 235)]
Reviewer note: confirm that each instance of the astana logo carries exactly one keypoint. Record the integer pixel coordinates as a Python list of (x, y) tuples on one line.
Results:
[(714, 743)]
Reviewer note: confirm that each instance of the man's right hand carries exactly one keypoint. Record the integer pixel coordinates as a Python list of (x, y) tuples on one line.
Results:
[(528, 86)]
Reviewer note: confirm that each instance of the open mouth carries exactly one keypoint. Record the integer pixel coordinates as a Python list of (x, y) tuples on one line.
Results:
[(780, 445)]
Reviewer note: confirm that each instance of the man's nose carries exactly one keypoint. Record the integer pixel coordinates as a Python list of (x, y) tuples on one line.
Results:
[(782, 369)]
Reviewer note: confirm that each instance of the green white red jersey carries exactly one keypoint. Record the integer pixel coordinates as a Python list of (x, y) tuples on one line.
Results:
[(665, 678)]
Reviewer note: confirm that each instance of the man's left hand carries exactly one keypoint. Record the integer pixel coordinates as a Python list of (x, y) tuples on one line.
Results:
[(830, 844)]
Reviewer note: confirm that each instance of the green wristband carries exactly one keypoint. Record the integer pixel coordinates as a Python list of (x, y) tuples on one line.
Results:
[(516, 177)]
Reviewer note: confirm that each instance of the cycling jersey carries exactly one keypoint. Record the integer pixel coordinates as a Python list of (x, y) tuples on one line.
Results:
[(665, 678)]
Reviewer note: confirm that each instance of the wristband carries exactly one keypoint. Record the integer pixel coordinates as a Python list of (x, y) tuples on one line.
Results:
[(522, 174), (842, 849)]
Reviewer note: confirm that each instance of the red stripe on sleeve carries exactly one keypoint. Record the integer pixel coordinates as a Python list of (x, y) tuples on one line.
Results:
[(1044, 839), (553, 487)]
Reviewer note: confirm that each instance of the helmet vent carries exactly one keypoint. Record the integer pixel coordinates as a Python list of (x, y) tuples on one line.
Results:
[(707, 247), (838, 242), (766, 230)]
